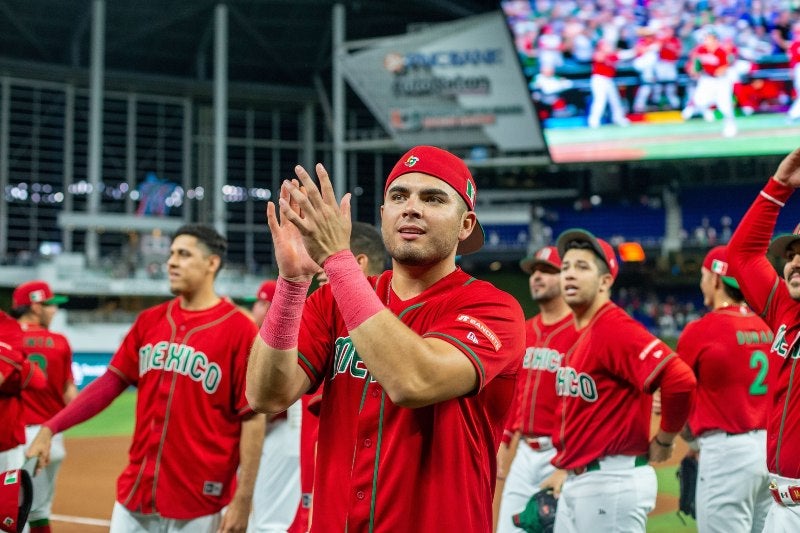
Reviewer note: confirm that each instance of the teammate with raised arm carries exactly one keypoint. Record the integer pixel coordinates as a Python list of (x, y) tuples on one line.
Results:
[(605, 385), (529, 429), (727, 350), (419, 363), (194, 428), (777, 299)]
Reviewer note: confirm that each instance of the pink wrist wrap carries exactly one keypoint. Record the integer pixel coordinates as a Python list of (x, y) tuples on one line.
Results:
[(281, 327), (354, 295)]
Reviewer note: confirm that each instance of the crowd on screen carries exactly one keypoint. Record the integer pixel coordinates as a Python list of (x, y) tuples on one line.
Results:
[(561, 37)]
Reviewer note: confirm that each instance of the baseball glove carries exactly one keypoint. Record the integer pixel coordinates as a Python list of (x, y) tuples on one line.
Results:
[(539, 515), (687, 482)]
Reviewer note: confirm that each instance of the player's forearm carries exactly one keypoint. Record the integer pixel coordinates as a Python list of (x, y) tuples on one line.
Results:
[(748, 245), (250, 444), (274, 379), (678, 385), (95, 397), (413, 371)]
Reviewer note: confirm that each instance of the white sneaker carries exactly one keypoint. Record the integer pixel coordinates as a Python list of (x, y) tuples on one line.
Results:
[(687, 113), (708, 115)]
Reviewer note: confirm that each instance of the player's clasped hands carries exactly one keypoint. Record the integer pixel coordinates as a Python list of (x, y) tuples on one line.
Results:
[(312, 224)]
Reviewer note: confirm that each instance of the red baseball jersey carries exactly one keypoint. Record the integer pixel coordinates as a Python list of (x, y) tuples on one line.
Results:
[(605, 385), (605, 64), (189, 368), (728, 351), (534, 408), (766, 292), (11, 406), (381, 467), (670, 49), (794, 54), (711, 60), (52, 353)]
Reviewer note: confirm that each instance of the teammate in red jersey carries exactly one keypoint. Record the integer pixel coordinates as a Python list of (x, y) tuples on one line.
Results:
[(34, 306), (367, 246), (605, 385), (709, 63), (188, 358), (727, 350), (529, 429), (794, 66), (604, 90), (16, 375), (419, 363), (777, 300)]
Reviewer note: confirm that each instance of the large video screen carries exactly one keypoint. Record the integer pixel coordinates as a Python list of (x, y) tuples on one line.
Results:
[(661, 79)]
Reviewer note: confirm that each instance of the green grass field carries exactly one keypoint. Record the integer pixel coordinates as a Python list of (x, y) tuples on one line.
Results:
[(118, 419)]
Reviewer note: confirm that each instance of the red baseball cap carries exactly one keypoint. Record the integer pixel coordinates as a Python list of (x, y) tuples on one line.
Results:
[(265, 292), (547, 255), (36, 291), (599, 246), (716, 261), (452, 170), (16, 496)]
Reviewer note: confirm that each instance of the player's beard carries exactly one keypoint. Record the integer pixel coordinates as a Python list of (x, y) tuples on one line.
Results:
[(547, 294), (414, 253)]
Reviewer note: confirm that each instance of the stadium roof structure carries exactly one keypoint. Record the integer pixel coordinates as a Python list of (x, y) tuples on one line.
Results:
[(273, 42)]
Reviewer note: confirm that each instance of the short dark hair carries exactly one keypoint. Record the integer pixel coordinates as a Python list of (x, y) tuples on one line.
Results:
[(366, 239), (577, 244), (215, 243), (20, 311), (733, 293)]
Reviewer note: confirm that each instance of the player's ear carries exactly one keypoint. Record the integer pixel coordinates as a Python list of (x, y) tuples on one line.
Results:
[(363, 261), (468, 222), (214, 263), (606, 281)]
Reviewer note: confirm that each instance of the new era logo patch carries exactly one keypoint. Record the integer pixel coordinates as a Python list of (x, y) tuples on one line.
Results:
[(11, 477), (212, 488)]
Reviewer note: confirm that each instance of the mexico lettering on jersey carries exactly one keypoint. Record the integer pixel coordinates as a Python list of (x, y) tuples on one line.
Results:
[(390, 468), (534, 405), (767, 294), (728, 350), (604, 387), (52, 353), (189, 368)]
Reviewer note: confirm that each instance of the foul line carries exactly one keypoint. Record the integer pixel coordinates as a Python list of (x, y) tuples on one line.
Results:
[(81, 520)]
